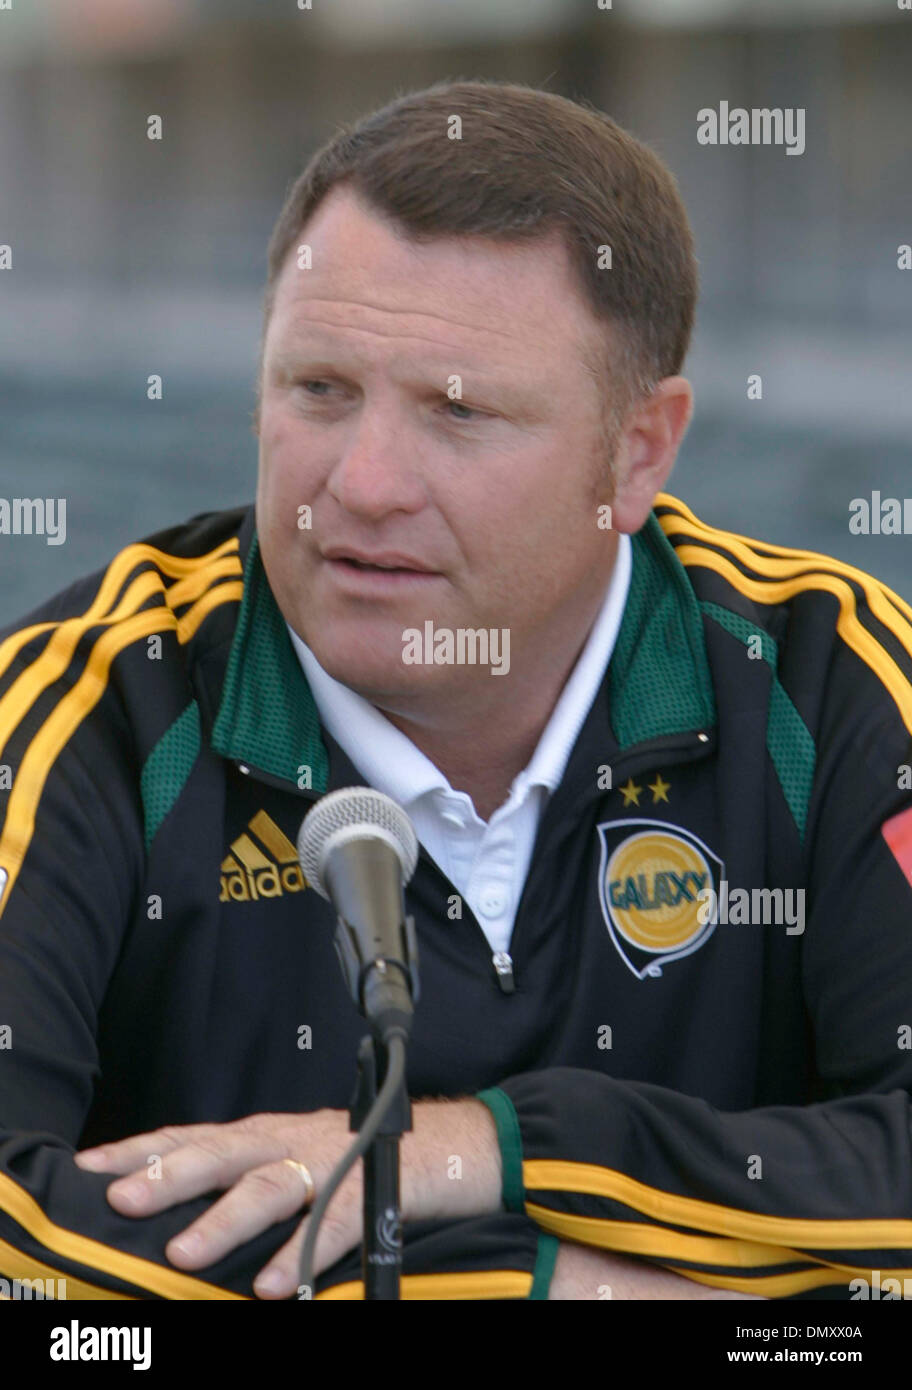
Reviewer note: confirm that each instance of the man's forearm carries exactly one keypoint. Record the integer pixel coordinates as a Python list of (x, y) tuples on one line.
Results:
[(452, 1165), (458, 1138)]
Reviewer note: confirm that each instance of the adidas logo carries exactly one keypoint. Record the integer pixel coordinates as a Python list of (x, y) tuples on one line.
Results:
[(248, 874)]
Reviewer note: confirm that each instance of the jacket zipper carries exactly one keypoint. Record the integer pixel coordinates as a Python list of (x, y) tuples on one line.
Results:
[(502, 961), (503, 968)]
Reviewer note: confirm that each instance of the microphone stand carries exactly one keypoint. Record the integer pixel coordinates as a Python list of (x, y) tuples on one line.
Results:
[(381, 1250), (384, 992), (358, 848)]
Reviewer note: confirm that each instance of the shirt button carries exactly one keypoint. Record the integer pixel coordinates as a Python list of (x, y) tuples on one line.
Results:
[(493, 902)]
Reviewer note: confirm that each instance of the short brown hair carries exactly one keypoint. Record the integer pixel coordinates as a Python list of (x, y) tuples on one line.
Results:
[(528, 163)]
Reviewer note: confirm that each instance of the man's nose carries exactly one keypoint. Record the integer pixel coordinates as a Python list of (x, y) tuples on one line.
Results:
[(375, 472)]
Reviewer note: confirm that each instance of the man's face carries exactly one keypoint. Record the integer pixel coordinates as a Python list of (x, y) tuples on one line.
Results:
[(495, 494)]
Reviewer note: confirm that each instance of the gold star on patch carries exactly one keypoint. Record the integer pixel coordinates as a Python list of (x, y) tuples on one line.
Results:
[(630, 793), (659, 789)]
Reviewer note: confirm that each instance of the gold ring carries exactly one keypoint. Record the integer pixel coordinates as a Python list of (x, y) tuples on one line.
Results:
[(305, 1174)]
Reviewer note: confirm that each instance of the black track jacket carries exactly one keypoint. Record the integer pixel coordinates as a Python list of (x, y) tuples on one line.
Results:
[(688, 1069)]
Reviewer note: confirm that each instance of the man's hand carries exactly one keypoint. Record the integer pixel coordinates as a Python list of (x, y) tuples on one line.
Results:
[(586, 1272), (246, 1159)]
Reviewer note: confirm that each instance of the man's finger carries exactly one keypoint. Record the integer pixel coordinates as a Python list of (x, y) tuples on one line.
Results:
[(126, 1155), (215, 1158), (257, 1201), (340, 1231)]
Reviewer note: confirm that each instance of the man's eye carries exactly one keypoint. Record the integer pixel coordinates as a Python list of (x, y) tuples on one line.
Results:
[(463, 412), (315, 387)]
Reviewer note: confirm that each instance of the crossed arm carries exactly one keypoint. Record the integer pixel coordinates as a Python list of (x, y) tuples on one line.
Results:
[(246, 1159)]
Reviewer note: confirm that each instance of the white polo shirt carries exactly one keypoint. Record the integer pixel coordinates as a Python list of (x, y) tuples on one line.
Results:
[(486, 861)]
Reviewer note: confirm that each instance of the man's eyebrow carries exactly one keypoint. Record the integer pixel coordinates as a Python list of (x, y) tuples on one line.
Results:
[(292, 359)]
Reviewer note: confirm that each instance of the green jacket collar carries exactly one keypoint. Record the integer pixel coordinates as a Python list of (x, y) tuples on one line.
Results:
[(659, 680)]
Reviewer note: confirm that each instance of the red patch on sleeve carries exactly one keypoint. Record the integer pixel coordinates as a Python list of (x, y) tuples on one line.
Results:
[(897, 831)]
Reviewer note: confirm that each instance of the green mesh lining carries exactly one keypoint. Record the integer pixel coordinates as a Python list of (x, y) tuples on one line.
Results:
[(788, 739), (268, 716), (167, 768), (660, 680)]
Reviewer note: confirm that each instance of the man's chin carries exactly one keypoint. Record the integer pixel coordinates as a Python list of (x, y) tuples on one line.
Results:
[(371, 668), (376, 655)]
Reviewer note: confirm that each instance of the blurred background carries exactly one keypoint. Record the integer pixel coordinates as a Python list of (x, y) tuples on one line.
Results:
[(132, 256)]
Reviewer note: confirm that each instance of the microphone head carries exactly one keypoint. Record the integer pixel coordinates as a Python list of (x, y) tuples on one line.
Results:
[(353, 813)]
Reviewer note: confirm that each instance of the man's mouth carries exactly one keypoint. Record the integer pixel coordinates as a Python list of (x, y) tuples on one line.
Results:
[(363, 565), (362, 576), (384, 563)]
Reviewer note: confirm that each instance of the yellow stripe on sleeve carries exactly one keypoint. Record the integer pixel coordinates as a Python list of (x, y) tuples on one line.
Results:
[(853, 632), (486, 1283), (175, 566), (560, 1175), (15, 1264), (658, 1242), (133, 1269), (73, 707), (887, 606)]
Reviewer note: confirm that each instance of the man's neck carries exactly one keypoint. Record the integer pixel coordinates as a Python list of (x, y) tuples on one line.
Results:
[(482, 744), (482, 761)]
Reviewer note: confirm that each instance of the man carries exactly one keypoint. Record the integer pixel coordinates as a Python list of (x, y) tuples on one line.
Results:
[(468, 410)]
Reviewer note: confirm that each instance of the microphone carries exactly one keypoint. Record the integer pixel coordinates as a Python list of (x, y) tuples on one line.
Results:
[(358, 849)]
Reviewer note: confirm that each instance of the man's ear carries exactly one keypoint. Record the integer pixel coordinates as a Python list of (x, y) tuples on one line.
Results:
[(258, 396), (647, 449)]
